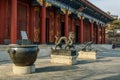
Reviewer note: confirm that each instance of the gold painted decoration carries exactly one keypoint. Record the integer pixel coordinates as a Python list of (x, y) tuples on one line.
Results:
[(36, 9), (79, 16), (51, 27), (91, 20), (73, 25), (40, 2), (69, 12), (36, 34), (63, 10), (97, 23), (51, 38), (48, 4), (58, 33), (83, 17)]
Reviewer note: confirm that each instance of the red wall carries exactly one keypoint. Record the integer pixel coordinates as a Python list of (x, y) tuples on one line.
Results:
[(87, 31), (3, 20), (33, 22)]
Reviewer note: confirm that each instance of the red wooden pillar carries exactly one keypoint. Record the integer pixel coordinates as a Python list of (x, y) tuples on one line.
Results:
[(31, 30), (73, 25), (92, 30), (43, 31), (13, 21), (103, 35), (2, 20), (66, 24), (55, 23), (104, 29), (98, 34), (81, 31)]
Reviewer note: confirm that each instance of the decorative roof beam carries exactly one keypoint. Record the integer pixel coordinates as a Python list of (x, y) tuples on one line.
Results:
[(62, 5), (81, 9), (97, 9)]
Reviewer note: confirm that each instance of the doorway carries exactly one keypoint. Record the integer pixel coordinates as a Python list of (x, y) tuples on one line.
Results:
[(62, 29), (77, 34), (36, 25), (22, 18), (47, 30)]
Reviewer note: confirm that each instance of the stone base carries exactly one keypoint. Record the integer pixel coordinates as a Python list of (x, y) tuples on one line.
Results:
[(23, 69), (87, 55), (63, 52), (62, 59)]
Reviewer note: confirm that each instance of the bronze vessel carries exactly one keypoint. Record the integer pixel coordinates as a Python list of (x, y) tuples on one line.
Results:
[(23, 55)]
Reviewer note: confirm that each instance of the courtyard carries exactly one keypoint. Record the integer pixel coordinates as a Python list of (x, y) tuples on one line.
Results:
[(105, 67)]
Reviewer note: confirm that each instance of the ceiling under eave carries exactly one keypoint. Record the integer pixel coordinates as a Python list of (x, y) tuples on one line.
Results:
[(89, 9)]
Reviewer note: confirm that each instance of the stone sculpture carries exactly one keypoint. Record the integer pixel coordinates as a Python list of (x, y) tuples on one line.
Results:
[(66, 53), (68, 41), (87, 52), (88, 46), (23, 56)]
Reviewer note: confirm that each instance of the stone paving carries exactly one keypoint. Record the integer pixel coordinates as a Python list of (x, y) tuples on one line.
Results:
[(106, 67)]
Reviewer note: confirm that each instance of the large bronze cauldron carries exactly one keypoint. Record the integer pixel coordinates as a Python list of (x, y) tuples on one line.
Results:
[(23, 55)]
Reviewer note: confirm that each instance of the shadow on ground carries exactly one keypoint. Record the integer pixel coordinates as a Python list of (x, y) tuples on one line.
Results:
[(5, 62), (91, 61), (55, 68), (111, 53), (117, 77)]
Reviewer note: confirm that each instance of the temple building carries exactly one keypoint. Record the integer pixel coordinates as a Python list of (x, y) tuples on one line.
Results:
[(43, 19)]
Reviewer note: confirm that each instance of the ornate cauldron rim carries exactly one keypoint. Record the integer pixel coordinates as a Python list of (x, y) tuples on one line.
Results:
[(22, 46), (23, 55)]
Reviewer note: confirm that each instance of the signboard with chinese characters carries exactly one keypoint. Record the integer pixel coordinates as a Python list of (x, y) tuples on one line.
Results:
[(24, 35)]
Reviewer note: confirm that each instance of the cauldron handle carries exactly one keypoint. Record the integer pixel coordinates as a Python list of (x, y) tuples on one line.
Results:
[(11, 51), (37, 49)]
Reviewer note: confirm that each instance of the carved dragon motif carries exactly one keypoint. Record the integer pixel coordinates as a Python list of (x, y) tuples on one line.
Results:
[(88, 45), (59, 42)]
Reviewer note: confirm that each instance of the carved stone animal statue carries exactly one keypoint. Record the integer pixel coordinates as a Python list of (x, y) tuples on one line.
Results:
[(88, 46), (68, 41), (60, 41)]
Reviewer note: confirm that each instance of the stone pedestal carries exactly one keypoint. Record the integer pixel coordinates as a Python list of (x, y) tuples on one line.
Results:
[(23, 69), (65, 57), (91, 55)]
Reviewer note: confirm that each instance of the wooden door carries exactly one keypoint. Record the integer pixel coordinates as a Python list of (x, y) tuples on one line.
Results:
[(62, 29), (77, 37), (22, 19), (36, 25), (47, 30)]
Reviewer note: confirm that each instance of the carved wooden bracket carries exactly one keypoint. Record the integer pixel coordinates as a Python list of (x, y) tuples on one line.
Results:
[(48, 4), (64, 11), (40, 2), (91, 20), (80, 17), (81, 9)]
